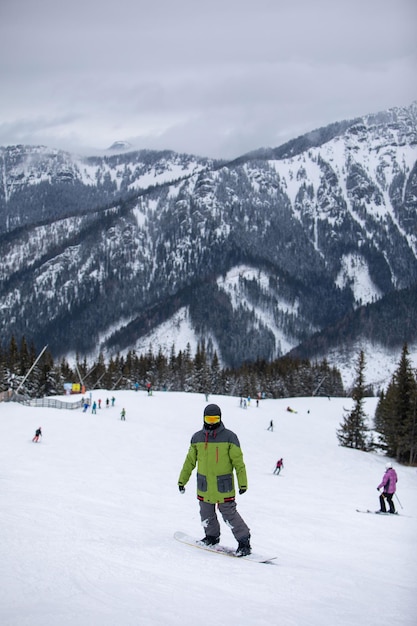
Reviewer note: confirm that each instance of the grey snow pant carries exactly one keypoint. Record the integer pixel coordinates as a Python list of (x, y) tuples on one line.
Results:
[(230, 515)]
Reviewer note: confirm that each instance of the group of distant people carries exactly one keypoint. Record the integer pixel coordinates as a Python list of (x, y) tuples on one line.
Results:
[(86, 404), (38, 432)]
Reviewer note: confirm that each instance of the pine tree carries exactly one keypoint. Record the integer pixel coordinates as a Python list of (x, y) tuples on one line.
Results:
[(161, 369), (13, 357), (201, 370), (3, 370), (395, 416), (66, 373), (25, 359), (353, 430), (46, 376), (111, 376), (216, 382)]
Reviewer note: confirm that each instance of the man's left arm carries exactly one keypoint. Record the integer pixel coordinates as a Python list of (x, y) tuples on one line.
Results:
[(236, 456)]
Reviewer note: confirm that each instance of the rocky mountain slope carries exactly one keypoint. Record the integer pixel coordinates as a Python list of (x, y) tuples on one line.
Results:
[(258, 255)]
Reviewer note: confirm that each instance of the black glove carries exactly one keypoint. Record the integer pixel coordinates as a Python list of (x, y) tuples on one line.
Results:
[(242, 490), (181, 488)]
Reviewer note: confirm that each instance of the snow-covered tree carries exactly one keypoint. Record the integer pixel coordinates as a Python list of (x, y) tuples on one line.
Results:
[(353, 431)]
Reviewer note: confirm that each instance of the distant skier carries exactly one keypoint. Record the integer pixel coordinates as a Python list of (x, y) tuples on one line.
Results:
[(94, 407), (389, 486), (123, 415), (271, 426), (107, 403), (38, 434), (279, 465), (113, 400)]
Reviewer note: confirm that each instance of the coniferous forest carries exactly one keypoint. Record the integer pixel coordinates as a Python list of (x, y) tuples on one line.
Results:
[(396, 413), (181, 371), (395, 420)]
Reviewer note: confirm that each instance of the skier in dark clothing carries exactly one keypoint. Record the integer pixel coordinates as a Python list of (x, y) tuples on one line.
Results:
[(279, 465), (38, 434), (389, 486)]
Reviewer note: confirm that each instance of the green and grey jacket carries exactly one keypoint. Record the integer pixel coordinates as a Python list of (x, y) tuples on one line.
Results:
[(217, 453)]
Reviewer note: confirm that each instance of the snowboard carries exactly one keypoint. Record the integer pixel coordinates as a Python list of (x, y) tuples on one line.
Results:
[(219, 549)]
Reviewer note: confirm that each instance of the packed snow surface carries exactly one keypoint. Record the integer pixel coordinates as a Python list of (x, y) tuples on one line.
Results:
[(88, 517)]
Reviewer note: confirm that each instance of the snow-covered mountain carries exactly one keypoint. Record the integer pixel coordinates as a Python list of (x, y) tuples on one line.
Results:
[(255, 256)]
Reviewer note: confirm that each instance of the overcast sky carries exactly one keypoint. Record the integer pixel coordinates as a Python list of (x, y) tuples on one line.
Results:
[(215, 78)]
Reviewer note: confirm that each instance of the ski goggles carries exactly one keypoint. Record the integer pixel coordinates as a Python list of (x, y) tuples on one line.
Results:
[(212, 419)]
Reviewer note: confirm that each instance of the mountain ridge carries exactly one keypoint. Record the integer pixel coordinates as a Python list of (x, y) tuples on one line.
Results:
[(327, 218)]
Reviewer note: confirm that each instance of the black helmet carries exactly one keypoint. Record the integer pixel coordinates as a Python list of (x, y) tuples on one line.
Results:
[(212, 416), (212, 409)]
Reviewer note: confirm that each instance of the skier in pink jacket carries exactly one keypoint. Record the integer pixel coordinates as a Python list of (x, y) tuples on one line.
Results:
[(388, 484)]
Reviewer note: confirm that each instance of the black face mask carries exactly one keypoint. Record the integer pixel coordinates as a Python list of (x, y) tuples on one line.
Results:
[(211, 426)]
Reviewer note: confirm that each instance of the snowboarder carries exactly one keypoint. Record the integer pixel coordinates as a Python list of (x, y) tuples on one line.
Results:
[(388, 485), (279, 465), (38, 434), (271, 426), (123, 415), (216, 451)]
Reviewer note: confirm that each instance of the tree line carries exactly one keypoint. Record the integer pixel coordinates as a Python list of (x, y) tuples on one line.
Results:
[(21, 370), (395, 422)]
